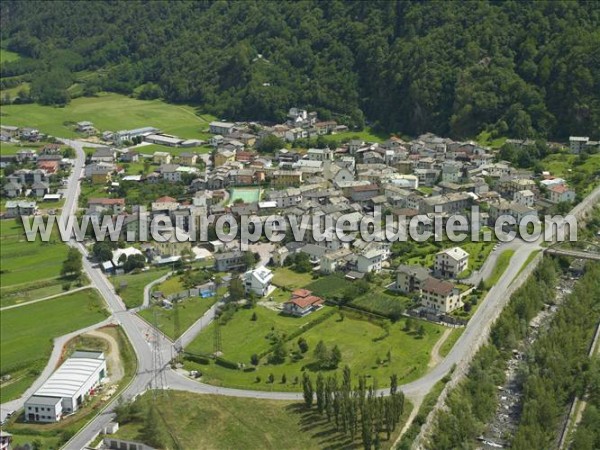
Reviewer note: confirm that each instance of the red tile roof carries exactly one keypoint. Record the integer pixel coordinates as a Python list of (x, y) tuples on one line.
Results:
[(165, 199), (301, 293), (439, 287), (106, 201), (305, 302)]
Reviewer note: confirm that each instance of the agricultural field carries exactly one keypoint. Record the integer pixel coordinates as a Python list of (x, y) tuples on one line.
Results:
[(364, 347), (214, 422), (27, 333), (26, 262), (109, 111), (382, 302), (131, 286)]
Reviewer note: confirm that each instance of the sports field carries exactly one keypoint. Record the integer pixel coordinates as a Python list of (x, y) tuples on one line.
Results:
[(26, 333), (112, 112), (247, 195)]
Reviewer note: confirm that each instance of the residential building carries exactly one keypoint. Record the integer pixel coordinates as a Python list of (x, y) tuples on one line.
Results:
[(370, 261), (561, 193), (20, 208), (99, 173), (222, 128), (223, 157), (450, 262), (103, 154), (188, 159), (577, 143), (224, 262), (525, 197), (287, 177), (258, 281), (440, 296), (161, 158), (410, 279), (100, 205), (302, 303)]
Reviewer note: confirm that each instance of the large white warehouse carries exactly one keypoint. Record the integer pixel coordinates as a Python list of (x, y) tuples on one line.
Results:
[(66, 389)]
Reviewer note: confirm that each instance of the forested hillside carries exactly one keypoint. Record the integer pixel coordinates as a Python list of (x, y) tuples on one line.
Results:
[(514, 68)]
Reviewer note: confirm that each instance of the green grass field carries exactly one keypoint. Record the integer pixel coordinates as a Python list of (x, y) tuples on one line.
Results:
[(109, 111), (287, 278), (8, 56), (501, 265), (382, 302), (27, 332), (247, 195), (361, 344), (190, 310), (133, 293), (24, 262), (328, 286), (218, 422)]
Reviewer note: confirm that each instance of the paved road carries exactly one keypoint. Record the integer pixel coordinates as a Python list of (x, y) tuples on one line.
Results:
[(141, 335)]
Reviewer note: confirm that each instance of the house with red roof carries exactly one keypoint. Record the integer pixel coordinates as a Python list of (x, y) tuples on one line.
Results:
[(302, 303), (561, 193)]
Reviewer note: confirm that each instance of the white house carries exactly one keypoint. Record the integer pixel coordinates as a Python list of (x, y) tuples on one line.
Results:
[(222, 128), (525, 197), (67, 388), (258, 281), (451, 262), (370, 261)]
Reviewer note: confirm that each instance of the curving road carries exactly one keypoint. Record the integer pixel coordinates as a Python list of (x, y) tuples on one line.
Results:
[(141, 335)]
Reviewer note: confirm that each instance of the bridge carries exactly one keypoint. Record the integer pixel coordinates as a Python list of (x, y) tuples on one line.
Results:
[(587, 253)]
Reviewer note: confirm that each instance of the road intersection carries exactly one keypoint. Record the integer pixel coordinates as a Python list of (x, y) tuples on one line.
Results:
[(141, 334)]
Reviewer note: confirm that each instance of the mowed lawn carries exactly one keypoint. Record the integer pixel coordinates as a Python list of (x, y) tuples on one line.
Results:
[(287, 278), (219, 422), (22, 261), (109, 111), (27, 332), (361, 343), (131, 286), (8, 56)]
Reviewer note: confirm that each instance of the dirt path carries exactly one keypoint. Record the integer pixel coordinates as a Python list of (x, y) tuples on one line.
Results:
[(112, 358), (436, 358)]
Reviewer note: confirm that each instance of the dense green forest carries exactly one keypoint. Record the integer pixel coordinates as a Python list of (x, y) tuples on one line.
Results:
[(454, 68)]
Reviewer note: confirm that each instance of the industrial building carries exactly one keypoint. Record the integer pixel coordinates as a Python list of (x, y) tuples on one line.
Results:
[(67, 388)]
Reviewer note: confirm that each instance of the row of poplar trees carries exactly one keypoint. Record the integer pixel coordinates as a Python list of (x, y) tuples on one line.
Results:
[(355, 410)]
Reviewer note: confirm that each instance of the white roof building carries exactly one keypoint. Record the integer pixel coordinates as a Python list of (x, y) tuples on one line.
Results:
[(67, 388)]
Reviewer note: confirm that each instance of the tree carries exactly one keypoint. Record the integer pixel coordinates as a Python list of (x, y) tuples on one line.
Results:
[(320, 391), (254, 317), (421, 331), (271, 378), (102, 250), (307, 390), (136, 261), (249, 260), (283, 379), (279, 353), (335, 358), (73, 264), (254, 359), (236, 289), (153, 431), (270, 143), (321, 354), (302, 345)]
